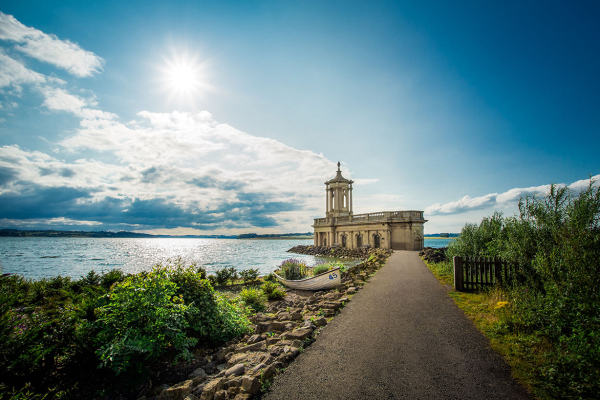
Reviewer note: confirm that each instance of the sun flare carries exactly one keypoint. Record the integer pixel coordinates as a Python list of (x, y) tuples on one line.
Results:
[(184, 77)]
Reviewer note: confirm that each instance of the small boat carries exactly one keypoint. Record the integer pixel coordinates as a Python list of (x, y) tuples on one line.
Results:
[(326, 280)]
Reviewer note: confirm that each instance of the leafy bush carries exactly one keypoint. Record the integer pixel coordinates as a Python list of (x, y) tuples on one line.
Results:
[(250, 275), (270, 278), (141, 320), (293, 269), (71, 326), (254, 298), (319, 269), (111, 277), (224, 275), (553, 246), (272, 291)]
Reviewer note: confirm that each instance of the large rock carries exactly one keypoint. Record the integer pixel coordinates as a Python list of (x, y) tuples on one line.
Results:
[(255, 339), (260, 346), (236, 370), (177, 392), (198, 376), (251, 385), (298, 334), (211, 388)]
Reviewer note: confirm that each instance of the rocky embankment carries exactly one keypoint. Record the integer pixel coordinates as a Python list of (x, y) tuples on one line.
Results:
[(434, 255), (338, 252), (242, 367)]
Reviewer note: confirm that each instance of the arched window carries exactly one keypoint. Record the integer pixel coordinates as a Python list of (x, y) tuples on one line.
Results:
[(376, 241), (344, 241), (359, 241)]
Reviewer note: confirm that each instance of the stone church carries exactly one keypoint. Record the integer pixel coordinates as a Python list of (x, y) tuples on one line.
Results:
[(397, 230)]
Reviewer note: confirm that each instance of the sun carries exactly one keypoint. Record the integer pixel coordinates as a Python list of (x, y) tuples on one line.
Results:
[(184, 77)]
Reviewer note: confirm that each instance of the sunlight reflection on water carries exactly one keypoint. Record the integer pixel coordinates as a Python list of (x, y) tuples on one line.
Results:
[(47, 257)]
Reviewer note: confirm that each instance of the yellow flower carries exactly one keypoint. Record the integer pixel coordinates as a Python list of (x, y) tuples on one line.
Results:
[(500, 304)]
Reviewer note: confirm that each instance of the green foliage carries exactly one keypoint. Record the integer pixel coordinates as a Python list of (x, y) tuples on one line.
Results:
[(553, 246), (293, 269), (19, 394), (224, 275), (123, 322), (271, 278), (272, 291), (254, 298), (143, 318), (250, 276), (111, 277), (319, 269)]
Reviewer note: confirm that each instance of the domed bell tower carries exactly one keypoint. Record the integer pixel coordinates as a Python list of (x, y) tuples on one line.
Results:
[(338, 196)]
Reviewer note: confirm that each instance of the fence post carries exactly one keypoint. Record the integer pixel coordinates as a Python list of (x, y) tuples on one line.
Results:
[(458, 273)]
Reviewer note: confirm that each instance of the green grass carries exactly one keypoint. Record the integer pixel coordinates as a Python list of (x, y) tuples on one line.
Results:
[(525, 353)]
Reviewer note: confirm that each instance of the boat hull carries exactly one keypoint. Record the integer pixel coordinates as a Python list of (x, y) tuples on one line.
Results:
[(326, 280)]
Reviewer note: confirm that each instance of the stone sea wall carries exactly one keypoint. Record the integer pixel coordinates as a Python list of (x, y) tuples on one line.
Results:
[(337, 252)]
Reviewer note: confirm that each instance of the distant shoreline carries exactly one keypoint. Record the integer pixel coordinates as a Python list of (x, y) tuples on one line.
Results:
[(135, 235)]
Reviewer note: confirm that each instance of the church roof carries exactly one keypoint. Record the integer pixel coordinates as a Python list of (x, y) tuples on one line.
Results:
[(338, 177)]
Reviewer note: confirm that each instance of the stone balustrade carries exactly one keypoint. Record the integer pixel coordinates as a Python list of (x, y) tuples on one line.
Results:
[(378, 216)]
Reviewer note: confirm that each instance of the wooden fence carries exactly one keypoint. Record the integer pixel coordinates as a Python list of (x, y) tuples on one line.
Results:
[(479, 272)]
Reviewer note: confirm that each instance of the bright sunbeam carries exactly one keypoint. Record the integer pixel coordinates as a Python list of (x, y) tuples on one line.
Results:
[(184, 77)]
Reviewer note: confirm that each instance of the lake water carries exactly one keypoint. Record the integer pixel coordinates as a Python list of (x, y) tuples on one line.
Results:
[(47, 257)]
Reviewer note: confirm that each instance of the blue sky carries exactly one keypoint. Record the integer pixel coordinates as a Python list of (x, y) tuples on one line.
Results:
[(227, 117)]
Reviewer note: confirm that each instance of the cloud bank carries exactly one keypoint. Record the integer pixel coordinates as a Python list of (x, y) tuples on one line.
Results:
[(48, 48), (510, 197)]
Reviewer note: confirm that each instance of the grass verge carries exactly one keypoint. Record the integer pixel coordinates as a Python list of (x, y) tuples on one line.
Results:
[(525, 353)]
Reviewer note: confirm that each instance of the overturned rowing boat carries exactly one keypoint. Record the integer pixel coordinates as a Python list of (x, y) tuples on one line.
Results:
[(326, 280)]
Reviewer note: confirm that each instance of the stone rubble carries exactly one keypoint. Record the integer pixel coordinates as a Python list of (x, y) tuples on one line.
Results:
[(240, 368), (433, 255)]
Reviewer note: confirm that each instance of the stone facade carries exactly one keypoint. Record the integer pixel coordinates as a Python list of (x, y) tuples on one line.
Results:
[(396, 230)]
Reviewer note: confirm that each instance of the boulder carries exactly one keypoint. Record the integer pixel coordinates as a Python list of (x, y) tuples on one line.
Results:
[(255, 339), (211, 388), (299, 334), (260, 346), (177, 392), (297, 316), (320, 321), (220, 395), (236, 370), (251, 385), (332, 296)]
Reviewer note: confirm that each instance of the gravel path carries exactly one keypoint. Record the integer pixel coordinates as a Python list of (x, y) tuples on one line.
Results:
[(401, 337)]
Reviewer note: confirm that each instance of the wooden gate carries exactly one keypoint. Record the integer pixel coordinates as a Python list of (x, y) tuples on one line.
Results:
[(479, 272)]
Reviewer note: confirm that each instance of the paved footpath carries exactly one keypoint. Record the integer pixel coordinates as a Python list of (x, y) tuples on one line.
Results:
[(401, 337)]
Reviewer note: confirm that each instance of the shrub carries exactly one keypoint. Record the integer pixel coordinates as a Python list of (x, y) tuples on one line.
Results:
[(553, 245), (111, 277), (254, 298), (222, 276), (270, 278), (319, 269), (249, 275), (272, 291), (141, 320), (293, 269)]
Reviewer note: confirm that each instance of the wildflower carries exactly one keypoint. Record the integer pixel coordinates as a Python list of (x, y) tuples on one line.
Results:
[(500, 304)]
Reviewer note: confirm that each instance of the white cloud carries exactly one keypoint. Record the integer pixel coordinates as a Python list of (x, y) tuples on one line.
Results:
[(508, 198), (13, 73), (49, 48), (60, 221)]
